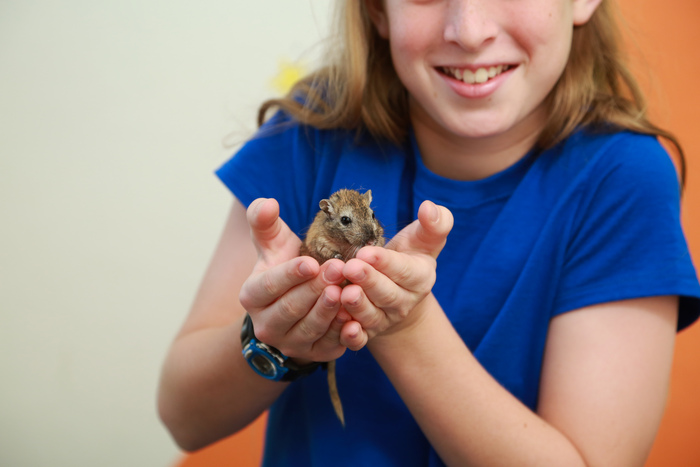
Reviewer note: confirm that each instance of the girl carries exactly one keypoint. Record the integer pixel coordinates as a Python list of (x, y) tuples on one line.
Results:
[(525, 315)]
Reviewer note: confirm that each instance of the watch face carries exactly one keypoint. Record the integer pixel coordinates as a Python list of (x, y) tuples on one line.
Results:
[(263, 365)]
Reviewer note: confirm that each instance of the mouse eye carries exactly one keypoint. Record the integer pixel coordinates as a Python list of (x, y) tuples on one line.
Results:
[(373, 216), (345, 220)]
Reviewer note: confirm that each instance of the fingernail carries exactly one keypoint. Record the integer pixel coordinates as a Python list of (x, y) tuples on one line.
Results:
[(434, 213), (355, 301), (370, 259), (258, 205), (332, 274), (359, 276), (305, 269), (328, 302)]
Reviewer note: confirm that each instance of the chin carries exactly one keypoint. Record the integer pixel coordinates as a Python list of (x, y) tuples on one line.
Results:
[(477, 130)]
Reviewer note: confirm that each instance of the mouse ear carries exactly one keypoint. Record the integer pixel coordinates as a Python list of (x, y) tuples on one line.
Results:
[(326, 207), (368, 196)]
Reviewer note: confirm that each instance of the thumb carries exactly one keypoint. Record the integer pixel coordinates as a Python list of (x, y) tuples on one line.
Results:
[(427, 234), (269, 232), (263, 218)]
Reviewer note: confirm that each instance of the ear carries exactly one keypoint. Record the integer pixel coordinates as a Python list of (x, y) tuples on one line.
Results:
[(368, 196), (377, 13), (326, 207), (583, 10)]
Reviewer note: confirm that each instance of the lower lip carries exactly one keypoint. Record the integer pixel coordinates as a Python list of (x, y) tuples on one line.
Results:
[(476, 90)]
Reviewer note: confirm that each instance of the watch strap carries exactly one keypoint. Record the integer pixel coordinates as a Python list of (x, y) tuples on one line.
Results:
[(289, 370)]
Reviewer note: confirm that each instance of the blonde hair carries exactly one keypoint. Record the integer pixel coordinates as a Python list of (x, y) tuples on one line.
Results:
[(358, 88)]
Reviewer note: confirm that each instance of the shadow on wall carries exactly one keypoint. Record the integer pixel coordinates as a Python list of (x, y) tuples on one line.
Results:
[(657, 28)]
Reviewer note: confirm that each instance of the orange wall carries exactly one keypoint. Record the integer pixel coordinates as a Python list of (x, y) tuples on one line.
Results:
[(665, 47), (668, 35)]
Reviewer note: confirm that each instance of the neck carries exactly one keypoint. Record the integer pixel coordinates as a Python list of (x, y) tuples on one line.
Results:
[(465, 158)]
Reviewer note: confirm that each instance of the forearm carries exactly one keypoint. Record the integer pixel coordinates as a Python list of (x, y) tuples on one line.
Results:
[(207, 390), (468, 416)]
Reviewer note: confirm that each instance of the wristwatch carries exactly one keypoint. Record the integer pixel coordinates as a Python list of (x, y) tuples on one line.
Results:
[(269, 362)]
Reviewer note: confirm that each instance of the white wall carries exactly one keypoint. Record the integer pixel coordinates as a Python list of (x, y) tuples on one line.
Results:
[(113, 115)]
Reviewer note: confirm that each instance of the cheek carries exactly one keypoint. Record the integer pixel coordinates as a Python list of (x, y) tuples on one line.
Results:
[(405, 47), (405, 52), (539, 22), (545, 38), (413, 34)]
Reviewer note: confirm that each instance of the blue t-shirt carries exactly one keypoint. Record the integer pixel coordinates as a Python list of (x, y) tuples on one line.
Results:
[(593, 220)]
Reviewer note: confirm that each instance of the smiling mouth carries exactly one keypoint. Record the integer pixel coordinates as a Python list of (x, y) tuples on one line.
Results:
[(480, 76)]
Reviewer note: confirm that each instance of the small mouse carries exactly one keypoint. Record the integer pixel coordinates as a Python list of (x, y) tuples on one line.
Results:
[(345, 223)]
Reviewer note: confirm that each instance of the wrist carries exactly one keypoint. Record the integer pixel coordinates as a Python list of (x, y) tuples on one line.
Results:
[(269, 362), (407, 331)]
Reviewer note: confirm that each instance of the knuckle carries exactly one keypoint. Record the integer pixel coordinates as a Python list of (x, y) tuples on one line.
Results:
[(246, 298), (308, 332), (404, 274), (431, 280), (286, 309), (427, 282), (317, 286), (329, 340), (392, 298), (268, 286), (425, 278), (403, 312), (374, 321)]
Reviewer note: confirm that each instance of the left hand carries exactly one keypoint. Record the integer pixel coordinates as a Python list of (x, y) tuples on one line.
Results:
[(294, 303), (389, 284)]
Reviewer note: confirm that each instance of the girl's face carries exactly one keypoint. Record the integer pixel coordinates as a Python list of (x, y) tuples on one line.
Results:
[(479, 68)]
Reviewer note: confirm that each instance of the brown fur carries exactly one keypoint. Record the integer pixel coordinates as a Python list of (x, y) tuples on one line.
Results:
[(330, 237)]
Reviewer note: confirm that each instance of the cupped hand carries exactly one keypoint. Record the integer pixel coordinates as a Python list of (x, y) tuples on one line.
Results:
[(389, 284), (294, 303)]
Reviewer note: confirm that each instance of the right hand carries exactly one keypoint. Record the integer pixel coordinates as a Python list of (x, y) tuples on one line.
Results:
[(390, 285), (293, 302)]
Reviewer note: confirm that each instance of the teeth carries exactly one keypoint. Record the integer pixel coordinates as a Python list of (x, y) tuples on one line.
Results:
[(469, 77), (479, 76)]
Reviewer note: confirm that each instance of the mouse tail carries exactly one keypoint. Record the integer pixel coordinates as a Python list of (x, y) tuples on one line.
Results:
[(333, 391)]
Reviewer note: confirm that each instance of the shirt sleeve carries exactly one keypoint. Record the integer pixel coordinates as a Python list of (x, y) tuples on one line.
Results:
[(627, 240), (280, 162)]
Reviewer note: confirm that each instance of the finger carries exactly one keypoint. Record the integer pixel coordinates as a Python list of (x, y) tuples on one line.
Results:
[(353, 336), (329, 347), (428, 233), (296, 308), (269, 232), (410, 272), (361, 309), (317, 335), (264, 288), (435, 224), (318, 321), (383, 292), (262, 215)]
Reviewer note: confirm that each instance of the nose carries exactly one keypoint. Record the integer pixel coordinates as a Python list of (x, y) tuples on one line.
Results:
[(469, 23)]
